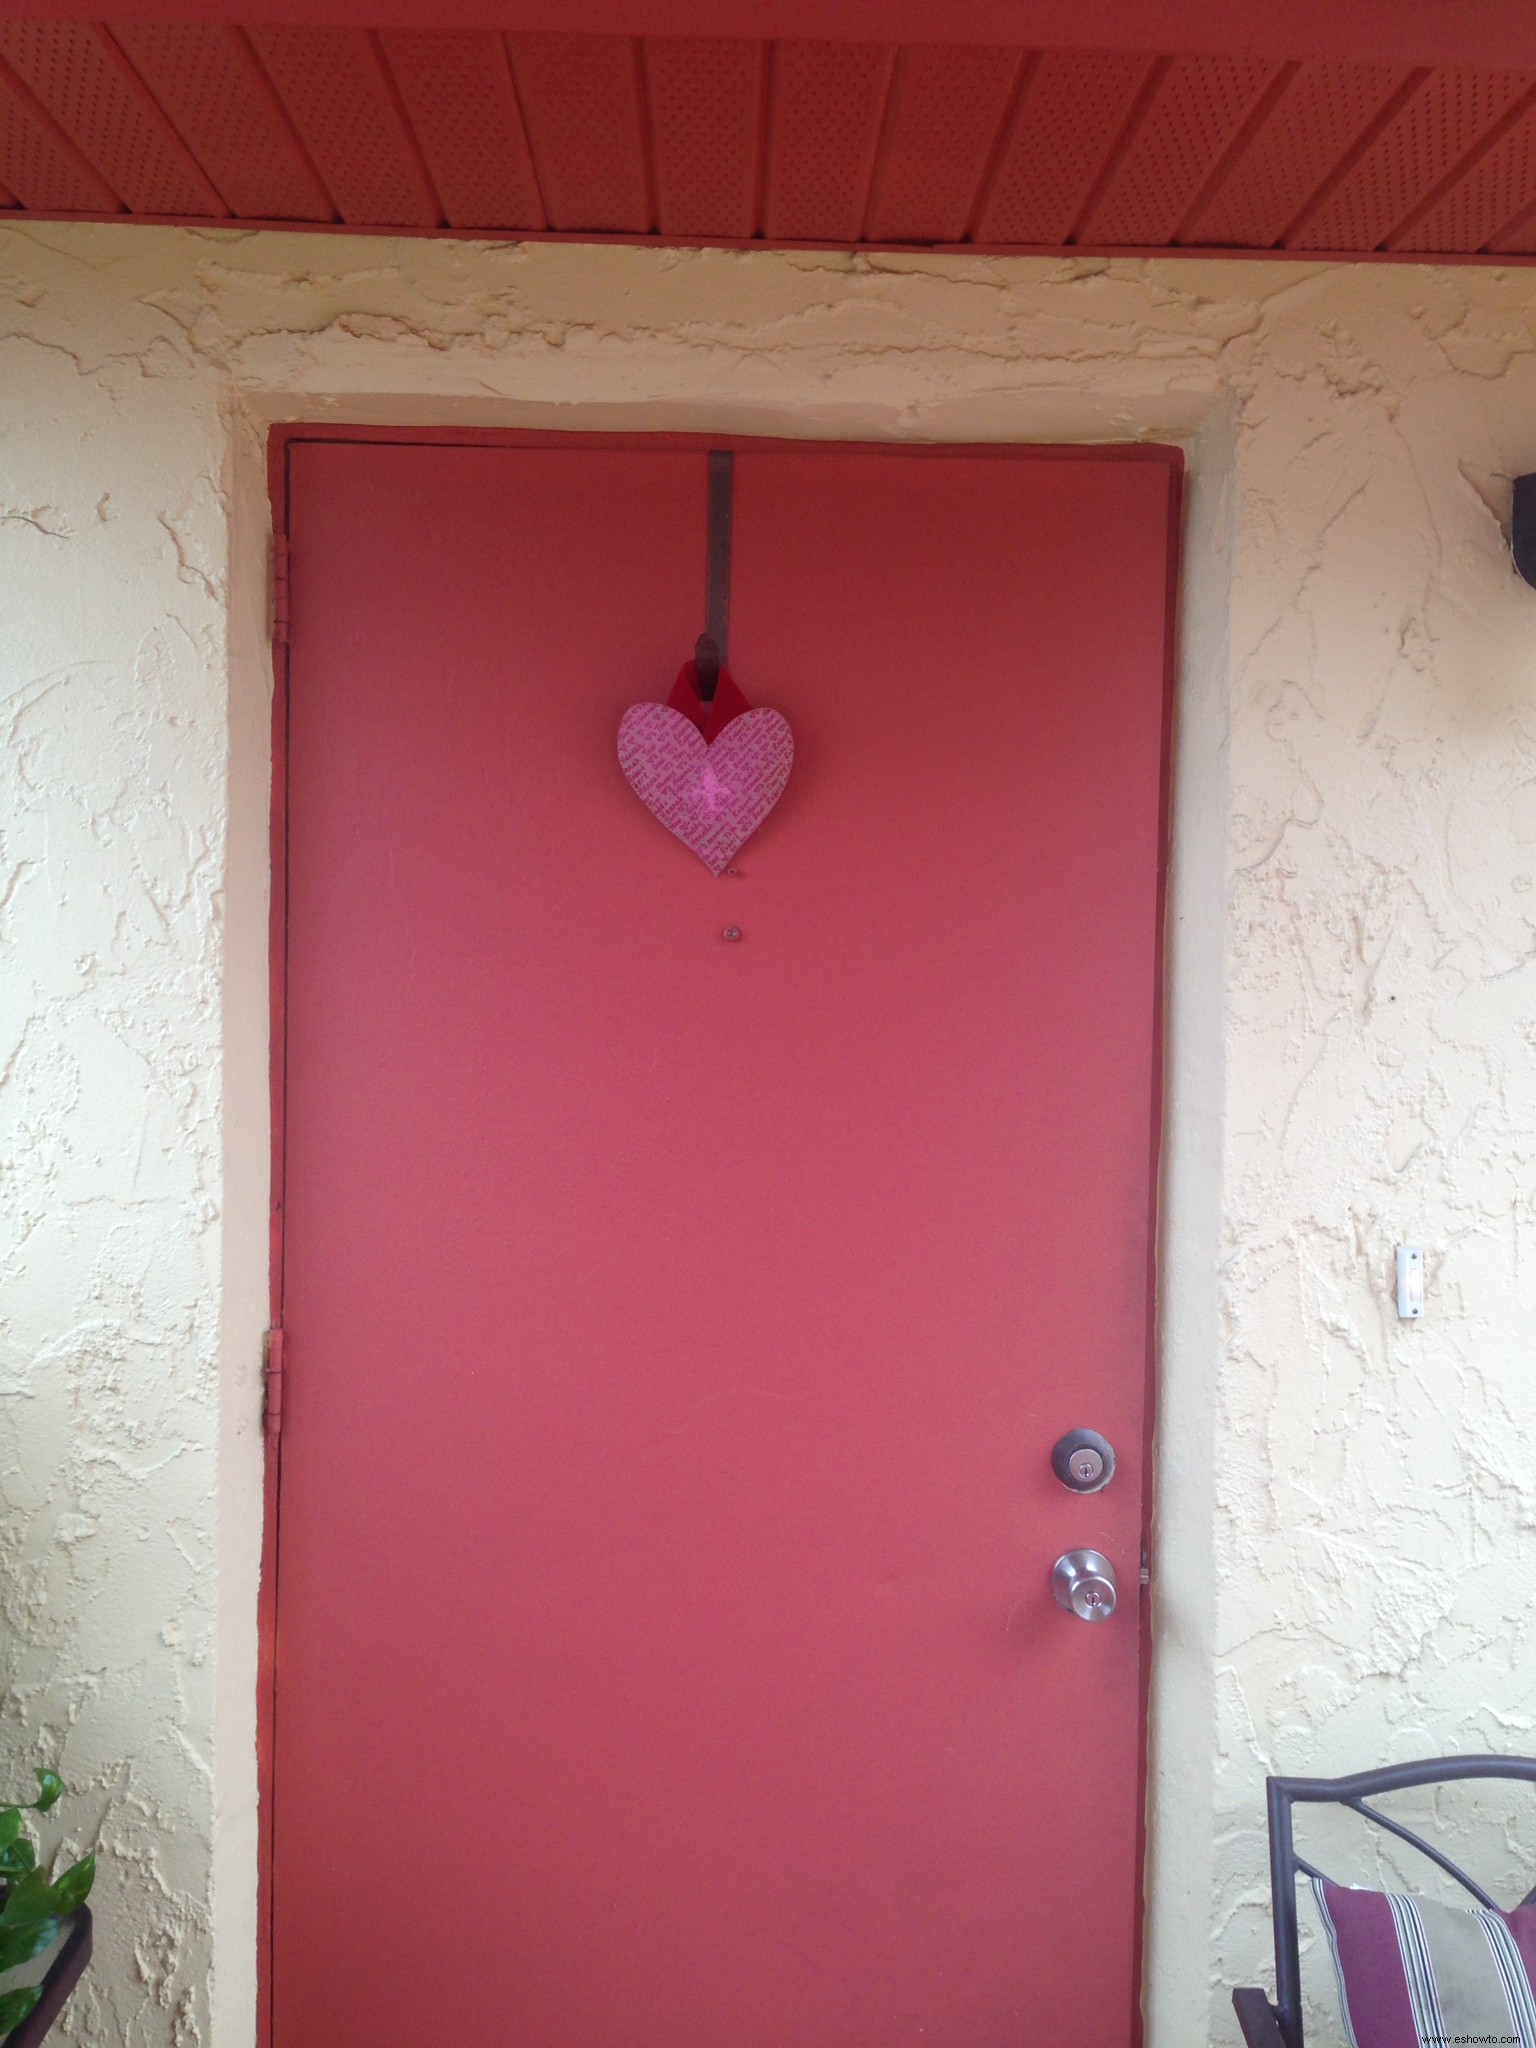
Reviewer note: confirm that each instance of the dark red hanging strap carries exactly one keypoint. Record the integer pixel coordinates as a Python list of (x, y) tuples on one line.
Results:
[(711, 718), (710, 698)]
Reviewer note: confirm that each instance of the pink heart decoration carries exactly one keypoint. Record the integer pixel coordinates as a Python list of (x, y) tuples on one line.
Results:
[(713, 795)]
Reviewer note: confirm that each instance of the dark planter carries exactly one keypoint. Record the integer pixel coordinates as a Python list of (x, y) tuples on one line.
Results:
[(64, 1965)]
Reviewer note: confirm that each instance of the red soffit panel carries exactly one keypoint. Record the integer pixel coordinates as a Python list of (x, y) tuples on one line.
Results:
[(222, 104), (947, 107), (1437, 127), (83, 79), (826, 108), (1071, 114), (1319, 116), (581, 100), (338, 92), (43, 168), (1487, 202), (706, 107), (459, 99), (1488, 33), (1196, 112), (1520, 236), (699, 137)]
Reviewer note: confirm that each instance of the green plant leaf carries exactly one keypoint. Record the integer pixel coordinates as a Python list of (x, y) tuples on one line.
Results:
[(71, 1891), (17, 1858), (21, 1944), (31, 1898), (10, 1824), (15, 2005), (49, 1788)]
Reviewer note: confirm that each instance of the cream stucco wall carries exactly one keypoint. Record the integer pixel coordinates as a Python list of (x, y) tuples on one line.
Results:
[(1347, 1507)]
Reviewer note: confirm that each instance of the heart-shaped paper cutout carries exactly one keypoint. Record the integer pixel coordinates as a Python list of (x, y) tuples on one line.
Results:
[(713, 795)]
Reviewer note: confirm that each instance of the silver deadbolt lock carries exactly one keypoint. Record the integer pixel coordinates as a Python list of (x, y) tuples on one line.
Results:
[(1083, 1460), (1084, 1584)]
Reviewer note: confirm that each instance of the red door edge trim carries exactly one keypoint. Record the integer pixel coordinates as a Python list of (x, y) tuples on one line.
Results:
[(277, 960), (283, 436), (1176, 476), (280, 440)]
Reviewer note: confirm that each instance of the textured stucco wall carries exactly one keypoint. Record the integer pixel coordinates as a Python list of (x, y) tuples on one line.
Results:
[(1347, 1507)]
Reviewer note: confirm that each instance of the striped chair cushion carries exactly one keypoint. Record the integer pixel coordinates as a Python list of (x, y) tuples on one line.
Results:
[(1414, 1974)]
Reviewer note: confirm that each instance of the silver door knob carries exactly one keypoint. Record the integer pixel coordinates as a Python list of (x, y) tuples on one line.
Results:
[(1084, 1584)]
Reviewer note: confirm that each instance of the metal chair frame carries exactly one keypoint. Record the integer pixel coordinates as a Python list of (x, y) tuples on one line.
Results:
[(1277, 2023)]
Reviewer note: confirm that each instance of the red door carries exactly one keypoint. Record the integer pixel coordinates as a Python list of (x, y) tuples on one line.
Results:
[(678, 1329)]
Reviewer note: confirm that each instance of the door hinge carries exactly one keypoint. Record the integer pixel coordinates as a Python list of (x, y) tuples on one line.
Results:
[(279, 590), (272, 1412)]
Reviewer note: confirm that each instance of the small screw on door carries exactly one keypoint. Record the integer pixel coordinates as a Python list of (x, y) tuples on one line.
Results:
[(1083, 1461)]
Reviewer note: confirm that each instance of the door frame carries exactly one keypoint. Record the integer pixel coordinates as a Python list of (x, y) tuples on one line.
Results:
[(281, 439)]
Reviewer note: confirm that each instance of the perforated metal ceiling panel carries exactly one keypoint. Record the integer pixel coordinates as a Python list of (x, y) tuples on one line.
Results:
[(1318, 118), (206, 78), (1074, 108), (1444, 119), (826, 108), (734, 139), (80, 75), (45, 170), (1489, 196), (947, 104), (581, 98), (1517, 237), (335, 84), (1193, 115), (706, 106), (460, 101)]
